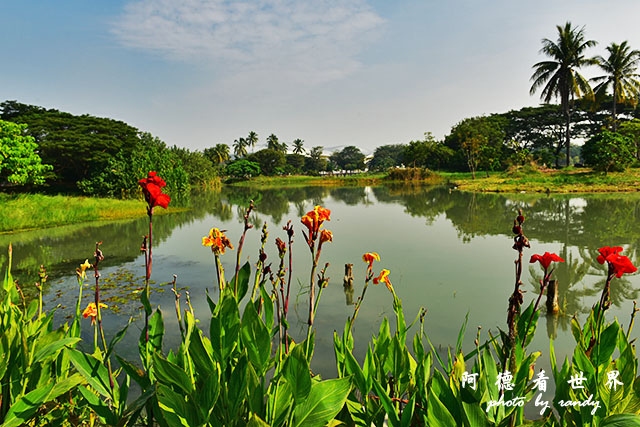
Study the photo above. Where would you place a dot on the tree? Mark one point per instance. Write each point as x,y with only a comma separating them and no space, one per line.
217,154
631,130
315,162
240,147
608,151
349,158
620,73
427,153
271,162
559,75
243,169
386,156
486,133
19,160
298,146
252,139
273,143
296,162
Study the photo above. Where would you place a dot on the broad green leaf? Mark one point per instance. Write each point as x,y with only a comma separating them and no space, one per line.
117,338
93,371
170,374
296,372
387,404
134,372
607,345
98,406
324,402
26,407
52,349
437,413
621,420
255,338
174,409
243,280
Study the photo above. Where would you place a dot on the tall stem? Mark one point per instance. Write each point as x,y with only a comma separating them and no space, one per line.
99,316
148,274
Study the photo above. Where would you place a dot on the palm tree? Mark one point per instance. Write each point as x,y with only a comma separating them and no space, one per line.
252,139
297,146
559,75
620,73
218,154
272,143
240,147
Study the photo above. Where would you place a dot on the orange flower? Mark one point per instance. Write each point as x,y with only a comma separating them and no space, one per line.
92,312
83,267
313,219
217,240
326,236
383,277
370,257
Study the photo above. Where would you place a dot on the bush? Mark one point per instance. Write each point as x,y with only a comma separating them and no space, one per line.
608,152
412,174
243,169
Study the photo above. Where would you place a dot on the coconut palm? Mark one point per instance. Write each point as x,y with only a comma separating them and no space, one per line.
218,154
620,73
297,146
252,139
272,142
240,147
559,75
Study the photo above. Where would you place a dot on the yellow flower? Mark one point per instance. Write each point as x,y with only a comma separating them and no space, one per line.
370,257
91,311
83,267
217,240
383,277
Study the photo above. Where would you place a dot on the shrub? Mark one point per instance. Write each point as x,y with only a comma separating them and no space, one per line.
608,152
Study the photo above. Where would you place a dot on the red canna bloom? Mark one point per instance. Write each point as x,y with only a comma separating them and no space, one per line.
152,189
383,277
369,257
621,264
546,259
326,236
606,251
313,219
217,240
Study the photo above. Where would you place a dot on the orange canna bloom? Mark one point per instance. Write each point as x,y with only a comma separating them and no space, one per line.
83,267
92,312
383,277
313,219
370,257
217,240
326,236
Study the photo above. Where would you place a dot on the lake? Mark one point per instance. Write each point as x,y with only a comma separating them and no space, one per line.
447,251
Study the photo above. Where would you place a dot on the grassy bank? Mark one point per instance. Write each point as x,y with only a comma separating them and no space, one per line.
398,175
32,211
553,181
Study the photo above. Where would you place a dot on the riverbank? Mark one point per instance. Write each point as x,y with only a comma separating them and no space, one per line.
33,211
337,180
580,180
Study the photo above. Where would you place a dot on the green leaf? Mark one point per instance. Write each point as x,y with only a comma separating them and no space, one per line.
437,413
98,406
26,407
296,372
608,341
117,338
170,374
256,421
255,338
174,409
387,404
621,420
52,349
353,368
134,372
267,303
93,371
243,280
199,354
145,303
324,402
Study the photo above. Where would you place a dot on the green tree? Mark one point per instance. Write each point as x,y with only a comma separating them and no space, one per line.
200,169
608,151
315,163
240,147
298,146
243,168
349,158
559,75
252,139
620,74
484,134
386,156
427,153
217,154
273,143
296,162
271,162
19,160
631,130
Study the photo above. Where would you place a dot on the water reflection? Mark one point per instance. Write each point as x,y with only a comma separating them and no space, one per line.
447,250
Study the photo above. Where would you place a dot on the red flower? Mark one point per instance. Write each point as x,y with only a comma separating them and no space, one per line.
152,189
606,251
326,236
621,264
546,259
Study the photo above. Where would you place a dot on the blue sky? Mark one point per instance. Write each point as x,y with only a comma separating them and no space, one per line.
331,72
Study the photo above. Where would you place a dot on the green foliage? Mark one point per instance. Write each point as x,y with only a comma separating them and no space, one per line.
315,163
296,161
218,154
609,151
386,156
19,161
349,158
201,171
243,169
631,129
270,161
427,153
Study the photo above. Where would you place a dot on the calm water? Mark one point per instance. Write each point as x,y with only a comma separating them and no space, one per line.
447,251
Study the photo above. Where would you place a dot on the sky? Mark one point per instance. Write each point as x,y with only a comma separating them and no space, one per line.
331,72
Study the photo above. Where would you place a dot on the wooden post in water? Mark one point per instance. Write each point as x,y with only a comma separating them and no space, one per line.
552,297
348,275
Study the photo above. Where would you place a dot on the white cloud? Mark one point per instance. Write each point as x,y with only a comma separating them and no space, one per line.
313,41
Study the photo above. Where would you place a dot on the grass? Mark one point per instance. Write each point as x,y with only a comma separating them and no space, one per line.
574,180
305,180
32,211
